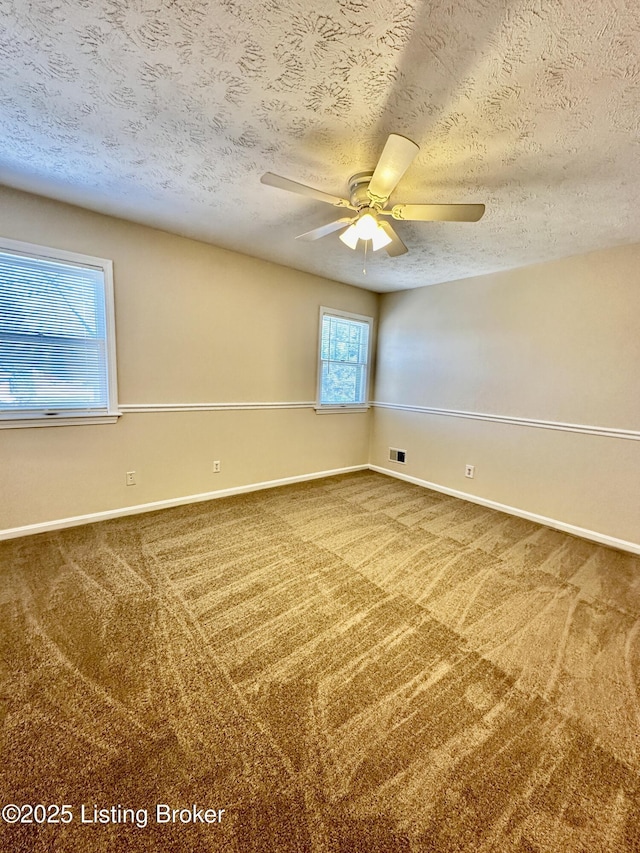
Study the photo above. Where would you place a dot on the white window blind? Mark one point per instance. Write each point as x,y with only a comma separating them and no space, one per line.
344,359
56,335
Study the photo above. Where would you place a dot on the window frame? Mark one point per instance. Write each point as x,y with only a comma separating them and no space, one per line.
67,417
328,408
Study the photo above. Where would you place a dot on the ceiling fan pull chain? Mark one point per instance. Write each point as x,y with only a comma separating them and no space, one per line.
364,262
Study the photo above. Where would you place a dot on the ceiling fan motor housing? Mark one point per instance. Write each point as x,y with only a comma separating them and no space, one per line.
359,189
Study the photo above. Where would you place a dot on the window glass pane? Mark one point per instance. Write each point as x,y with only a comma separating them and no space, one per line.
51,375
341,383
44,297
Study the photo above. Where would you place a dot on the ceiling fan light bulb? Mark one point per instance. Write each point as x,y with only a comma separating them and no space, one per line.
350,237
380,239
366,226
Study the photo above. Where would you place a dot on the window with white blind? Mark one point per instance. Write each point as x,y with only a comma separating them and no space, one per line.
343,370
57,338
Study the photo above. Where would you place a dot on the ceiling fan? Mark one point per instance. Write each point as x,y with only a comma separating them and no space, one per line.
368,195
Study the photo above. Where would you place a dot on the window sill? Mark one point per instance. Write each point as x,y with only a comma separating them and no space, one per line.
340,410
56,421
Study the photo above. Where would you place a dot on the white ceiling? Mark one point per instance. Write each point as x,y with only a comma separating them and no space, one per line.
168,113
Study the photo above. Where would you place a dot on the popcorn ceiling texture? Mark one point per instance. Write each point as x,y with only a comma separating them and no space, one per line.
168,113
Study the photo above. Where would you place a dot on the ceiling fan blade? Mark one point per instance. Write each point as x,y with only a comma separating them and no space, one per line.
396,246
302,189
397,155
323,230
438,212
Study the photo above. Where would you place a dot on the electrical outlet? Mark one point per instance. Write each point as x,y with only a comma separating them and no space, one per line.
470,471
131,478
216,466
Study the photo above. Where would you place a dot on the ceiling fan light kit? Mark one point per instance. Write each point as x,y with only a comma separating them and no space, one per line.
368,195
366,227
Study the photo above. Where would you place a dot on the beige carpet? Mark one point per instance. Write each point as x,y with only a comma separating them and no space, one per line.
353,665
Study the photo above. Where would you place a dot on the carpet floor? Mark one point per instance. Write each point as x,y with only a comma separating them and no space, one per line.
349,665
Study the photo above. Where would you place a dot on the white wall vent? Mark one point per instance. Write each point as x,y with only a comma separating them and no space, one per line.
396,455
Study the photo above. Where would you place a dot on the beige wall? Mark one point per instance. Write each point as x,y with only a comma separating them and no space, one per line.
194,324
556,342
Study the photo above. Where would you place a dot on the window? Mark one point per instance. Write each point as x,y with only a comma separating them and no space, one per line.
57,340
343,372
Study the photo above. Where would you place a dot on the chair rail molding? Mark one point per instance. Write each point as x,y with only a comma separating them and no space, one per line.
589,429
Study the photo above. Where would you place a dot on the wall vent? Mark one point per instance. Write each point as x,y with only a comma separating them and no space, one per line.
396,455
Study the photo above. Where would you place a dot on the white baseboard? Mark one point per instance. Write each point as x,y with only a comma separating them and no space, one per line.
601,538
90,518
77,520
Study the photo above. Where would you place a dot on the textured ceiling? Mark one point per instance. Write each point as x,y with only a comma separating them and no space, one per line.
169,112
